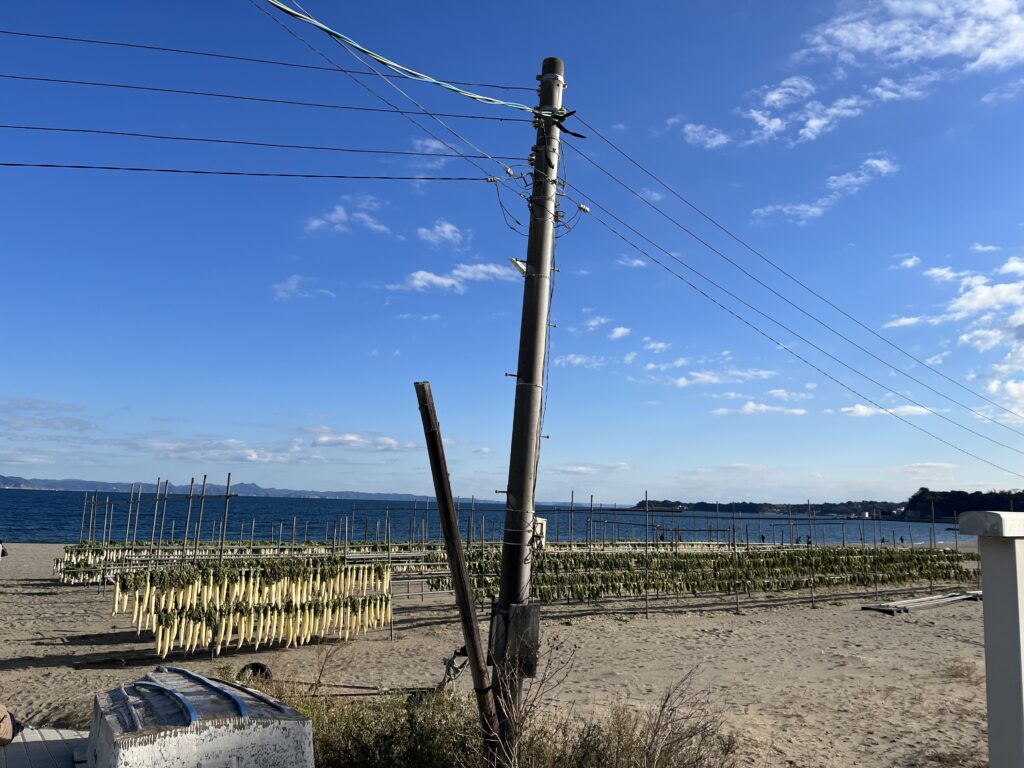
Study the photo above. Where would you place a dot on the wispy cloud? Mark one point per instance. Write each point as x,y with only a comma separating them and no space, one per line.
369,442
705,136
1006,92
750,408
728,376
630,261
297,287
903,322
444,233
456,280
839,186
907,261
679,362
335,219
984,248
657,347
869,410
590,469
619,332
595,322
789,396
575,360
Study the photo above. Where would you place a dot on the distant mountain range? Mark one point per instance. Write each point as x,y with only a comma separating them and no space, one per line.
242,489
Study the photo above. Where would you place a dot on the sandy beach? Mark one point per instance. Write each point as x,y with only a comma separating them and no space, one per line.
823,687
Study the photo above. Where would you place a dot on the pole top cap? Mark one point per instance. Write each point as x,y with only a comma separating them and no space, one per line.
553,66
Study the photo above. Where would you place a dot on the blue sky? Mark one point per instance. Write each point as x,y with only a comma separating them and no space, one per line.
176,325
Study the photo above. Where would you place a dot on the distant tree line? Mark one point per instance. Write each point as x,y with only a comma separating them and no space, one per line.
948,504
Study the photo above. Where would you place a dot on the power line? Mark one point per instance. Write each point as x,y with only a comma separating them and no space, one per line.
259,174
259,99
804,360
233,57
776,293
786,328
257,4
240,142
394,66
792,277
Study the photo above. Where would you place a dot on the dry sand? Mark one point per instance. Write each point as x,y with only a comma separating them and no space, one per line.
822,687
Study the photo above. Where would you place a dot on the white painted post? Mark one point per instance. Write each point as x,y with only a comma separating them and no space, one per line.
1001,543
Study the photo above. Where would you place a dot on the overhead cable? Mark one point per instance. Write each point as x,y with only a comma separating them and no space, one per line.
797,355
786,328
241,142
258,5
262,174
260,99
775,265
404,71
784,298
233,57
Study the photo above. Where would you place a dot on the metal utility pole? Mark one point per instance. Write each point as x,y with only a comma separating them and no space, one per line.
511,632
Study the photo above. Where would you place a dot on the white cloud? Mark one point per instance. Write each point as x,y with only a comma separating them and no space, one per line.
984,248
909,262
1013,266
433,147
750,408
981,35
444,233
729,376
1006,92
937,358
229,450
982,297
943,274
371,223
422,280
484,272
903,322
580,361
630,261
590,469
679,362
629,358
456,280
839,187
421,318
328,438
619,332
653,195
336,219
821,118
483,452
705,136
982,339
596,322
785,394
768,126
790,90
656,346
868,410
294,287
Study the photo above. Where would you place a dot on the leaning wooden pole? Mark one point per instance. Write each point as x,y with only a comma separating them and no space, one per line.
457,563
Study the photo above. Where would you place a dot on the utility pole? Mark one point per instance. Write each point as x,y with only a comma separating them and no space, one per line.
511,633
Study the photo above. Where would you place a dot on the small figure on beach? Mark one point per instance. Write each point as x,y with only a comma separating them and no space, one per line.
799,539
883,539
901,540
3,551
762,538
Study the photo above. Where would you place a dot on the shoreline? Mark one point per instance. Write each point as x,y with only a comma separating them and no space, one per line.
830,686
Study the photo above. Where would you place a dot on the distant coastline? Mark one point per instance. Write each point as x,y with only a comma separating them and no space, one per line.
242,489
